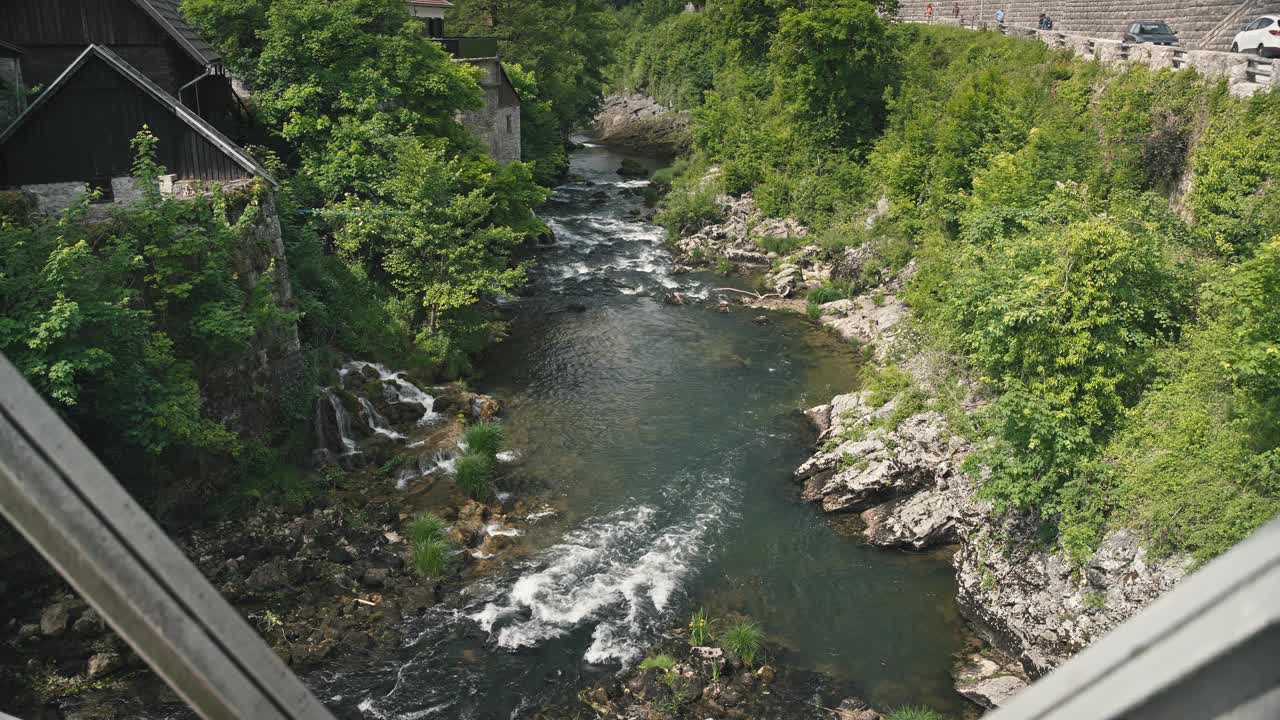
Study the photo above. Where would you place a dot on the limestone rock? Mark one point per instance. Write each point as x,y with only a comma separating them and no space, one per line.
54,619
989,678
104,663
639,122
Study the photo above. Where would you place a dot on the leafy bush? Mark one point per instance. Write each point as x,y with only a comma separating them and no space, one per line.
474,475
743,638
485,437
432,557
690,209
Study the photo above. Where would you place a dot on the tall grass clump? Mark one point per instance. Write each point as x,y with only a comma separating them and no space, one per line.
744,639
474,475
427,526
699,628
915,712
485,438
431,556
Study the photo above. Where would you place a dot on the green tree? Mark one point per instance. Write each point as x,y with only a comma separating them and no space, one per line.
832,62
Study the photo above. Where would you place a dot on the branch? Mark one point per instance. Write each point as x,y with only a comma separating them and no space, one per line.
756,295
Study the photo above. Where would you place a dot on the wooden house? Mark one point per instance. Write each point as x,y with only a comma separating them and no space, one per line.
149,35
78,132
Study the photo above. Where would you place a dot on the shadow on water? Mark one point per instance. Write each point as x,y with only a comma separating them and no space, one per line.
666,435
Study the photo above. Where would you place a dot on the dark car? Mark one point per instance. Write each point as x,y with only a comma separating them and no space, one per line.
1150,31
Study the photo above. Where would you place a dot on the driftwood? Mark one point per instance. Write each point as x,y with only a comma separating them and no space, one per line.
755,295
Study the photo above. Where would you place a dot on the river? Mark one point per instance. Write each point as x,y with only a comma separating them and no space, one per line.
663,438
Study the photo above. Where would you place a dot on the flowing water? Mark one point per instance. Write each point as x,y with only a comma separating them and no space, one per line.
663,438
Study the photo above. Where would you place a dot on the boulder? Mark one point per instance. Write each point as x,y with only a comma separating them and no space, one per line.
54,619
375,577
104,663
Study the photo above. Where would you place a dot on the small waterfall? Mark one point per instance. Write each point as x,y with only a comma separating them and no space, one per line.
395,388
376,421
343,421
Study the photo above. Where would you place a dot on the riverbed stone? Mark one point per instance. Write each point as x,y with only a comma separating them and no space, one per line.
104,663
54,619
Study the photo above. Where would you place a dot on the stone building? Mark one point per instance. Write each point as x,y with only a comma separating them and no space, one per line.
497,123
1200,24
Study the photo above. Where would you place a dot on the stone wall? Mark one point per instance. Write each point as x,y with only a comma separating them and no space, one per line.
497,123
1245,74
1210,23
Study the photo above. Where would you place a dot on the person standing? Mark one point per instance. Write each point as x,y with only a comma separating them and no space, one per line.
1000,17
955,13
928,13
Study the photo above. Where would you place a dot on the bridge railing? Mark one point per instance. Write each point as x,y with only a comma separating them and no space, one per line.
56,493
1208,649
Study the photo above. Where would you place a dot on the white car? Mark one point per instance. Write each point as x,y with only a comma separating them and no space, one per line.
1261,36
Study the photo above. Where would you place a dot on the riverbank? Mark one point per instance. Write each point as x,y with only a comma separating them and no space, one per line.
326,575
893,457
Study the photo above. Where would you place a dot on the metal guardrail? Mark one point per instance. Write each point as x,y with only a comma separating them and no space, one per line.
1209,648
57,494
1260,70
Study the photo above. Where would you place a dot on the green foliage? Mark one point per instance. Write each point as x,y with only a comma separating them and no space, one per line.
832,62
699,628
427,526
915,712
117,322
565,43
432,557
1095,600
1062,309
474,475
743,638
688,209
485,437
363,109
674,62
1197,467
658,662
1235,197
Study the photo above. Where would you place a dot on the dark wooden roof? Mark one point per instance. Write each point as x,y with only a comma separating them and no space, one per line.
166,14
10,50
221,144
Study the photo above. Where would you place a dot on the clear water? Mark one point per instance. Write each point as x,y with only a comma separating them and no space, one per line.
664,437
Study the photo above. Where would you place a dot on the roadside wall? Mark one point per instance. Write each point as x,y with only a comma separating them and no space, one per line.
1200,24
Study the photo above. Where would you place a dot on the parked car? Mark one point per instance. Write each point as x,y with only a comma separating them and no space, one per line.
1155,32
1261,36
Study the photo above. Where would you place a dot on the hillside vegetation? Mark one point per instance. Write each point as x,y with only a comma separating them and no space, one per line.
1101,246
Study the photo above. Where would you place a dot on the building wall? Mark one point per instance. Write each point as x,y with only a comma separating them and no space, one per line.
497,123
11,90
83,132
1213,22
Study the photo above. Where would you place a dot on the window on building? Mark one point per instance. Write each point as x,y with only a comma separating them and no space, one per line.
508,124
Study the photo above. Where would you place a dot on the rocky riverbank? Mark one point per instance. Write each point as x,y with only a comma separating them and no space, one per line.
680,680
894,458
640,123
329,575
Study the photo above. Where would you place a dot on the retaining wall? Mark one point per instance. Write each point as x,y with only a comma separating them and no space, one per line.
1200,24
